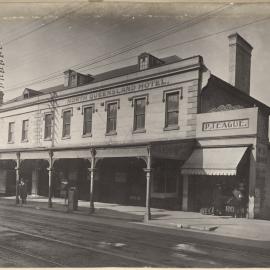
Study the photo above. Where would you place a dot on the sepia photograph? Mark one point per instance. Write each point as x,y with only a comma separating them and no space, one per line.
134,133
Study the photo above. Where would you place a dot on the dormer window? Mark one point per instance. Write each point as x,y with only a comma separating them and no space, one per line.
28,93
146,60
74,79
144,63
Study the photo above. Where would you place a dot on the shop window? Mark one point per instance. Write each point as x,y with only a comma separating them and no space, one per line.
165,181
139,114
87,120
172,109
25,126
11,126
48,126
66,123
111,117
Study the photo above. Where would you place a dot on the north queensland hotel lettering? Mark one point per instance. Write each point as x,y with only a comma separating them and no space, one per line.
119,90
227,124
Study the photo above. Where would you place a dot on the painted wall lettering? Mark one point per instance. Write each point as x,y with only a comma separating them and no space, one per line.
227,124
118,91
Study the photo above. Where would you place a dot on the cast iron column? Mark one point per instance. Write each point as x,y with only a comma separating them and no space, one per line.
50,179
185,193
18,176
92,171
148,170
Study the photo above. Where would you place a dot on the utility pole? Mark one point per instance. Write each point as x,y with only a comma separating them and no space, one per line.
2,71
53,108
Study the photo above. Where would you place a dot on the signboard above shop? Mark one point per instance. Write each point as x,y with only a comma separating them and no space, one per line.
227,123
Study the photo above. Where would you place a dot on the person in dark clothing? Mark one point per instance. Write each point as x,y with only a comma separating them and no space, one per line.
218,200
238,201
23,191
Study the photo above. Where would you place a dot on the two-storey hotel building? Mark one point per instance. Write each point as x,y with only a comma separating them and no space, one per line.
161,133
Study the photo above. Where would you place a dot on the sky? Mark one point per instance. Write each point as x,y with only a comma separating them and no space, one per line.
40,40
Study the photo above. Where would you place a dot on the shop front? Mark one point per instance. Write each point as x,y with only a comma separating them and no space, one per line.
216,176
219,177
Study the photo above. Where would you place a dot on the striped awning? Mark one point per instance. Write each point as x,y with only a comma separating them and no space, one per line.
214,161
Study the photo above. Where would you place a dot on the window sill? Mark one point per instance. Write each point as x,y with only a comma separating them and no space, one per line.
87,135
175,127
111,133
139,131
24,141
47,139
10,142
66,138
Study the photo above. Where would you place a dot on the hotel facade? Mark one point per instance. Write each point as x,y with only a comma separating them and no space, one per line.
160,133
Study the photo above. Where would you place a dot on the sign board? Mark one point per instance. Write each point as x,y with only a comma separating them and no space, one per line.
227,124
135,87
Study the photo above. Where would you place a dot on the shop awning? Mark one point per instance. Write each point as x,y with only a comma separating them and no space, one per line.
214,161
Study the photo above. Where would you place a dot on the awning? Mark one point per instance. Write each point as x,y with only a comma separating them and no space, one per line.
214,161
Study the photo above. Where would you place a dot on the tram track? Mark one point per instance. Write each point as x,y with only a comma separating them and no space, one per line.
24,254
82,228
73,245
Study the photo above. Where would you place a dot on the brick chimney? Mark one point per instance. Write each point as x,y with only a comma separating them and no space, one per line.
239,62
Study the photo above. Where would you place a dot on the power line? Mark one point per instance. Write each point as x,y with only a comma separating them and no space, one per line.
129,47
42,26
172,27
214,34
153,38
60,49
181,43
26,26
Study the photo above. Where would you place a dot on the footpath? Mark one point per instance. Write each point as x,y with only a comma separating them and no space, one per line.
241,229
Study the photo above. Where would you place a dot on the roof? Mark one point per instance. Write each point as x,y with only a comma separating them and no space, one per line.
235,91
103,76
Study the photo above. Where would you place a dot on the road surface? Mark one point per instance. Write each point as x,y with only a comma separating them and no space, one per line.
40,238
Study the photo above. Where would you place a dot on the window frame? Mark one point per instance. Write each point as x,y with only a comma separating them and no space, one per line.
66,136
167,94
117,104
51,126
135,122
25,132
144,63
11,135
92,108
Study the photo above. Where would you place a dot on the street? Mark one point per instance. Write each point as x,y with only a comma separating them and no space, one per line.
38,238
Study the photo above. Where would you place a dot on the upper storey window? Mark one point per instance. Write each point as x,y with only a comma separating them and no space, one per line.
48,126
139,114
66,123
172,109
11,126
25,127
87,120
111,117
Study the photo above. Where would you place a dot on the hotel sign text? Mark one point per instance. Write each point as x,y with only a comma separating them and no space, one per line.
119,90
226,124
